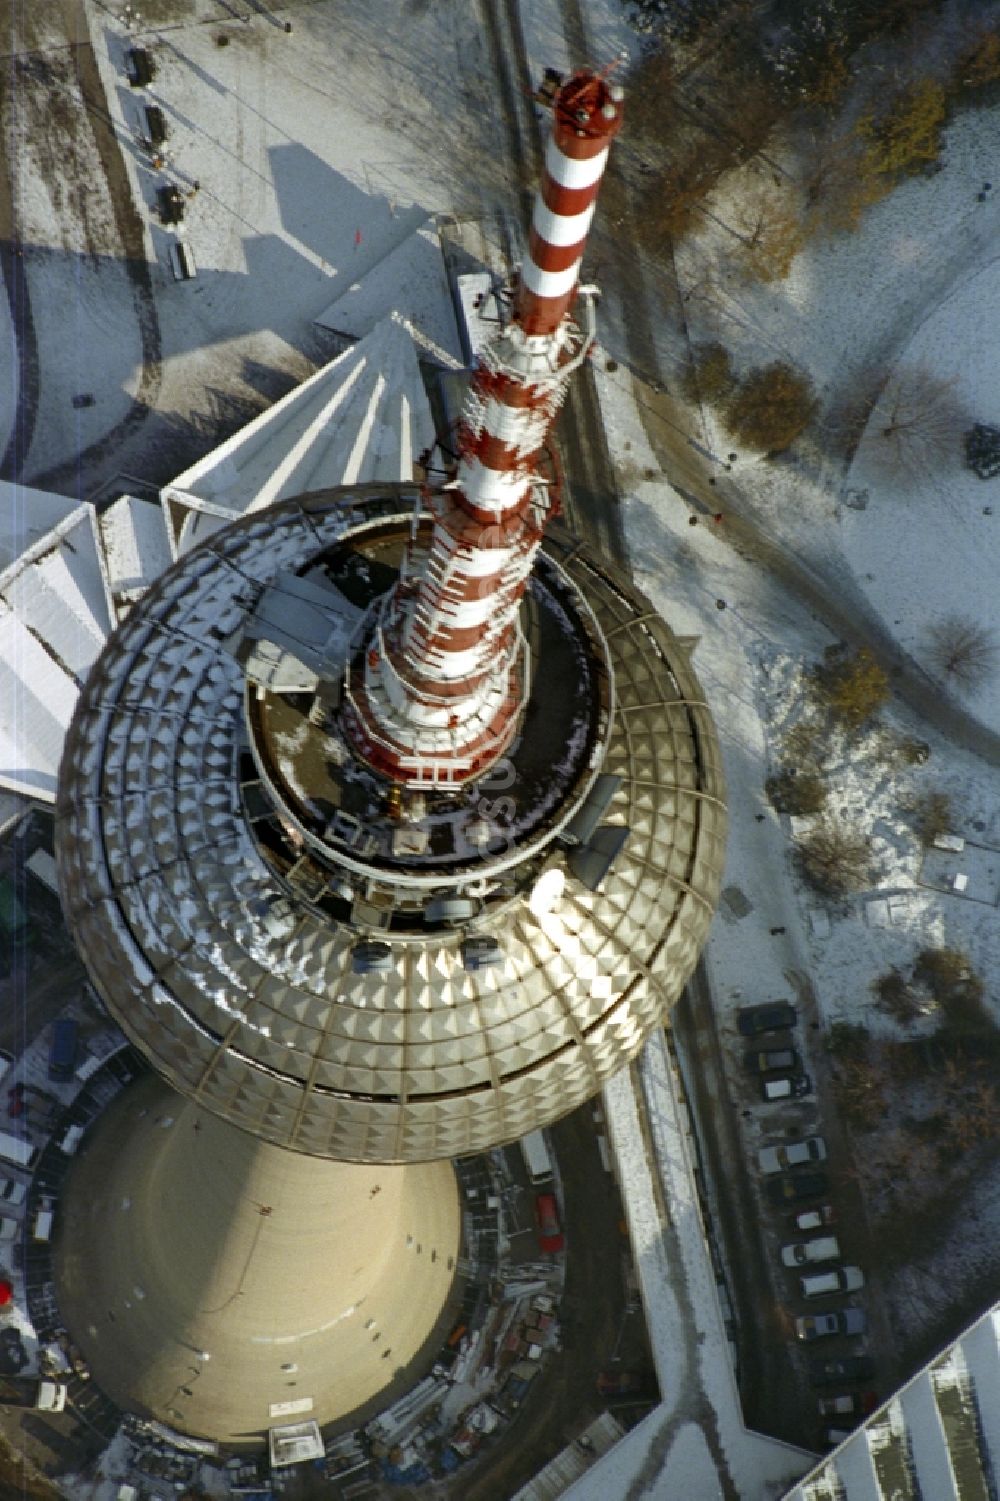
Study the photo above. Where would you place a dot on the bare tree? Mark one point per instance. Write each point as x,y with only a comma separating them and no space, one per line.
932,816
963,650
917,422
894,996
770,407
794,791
834,859
769,223
853,687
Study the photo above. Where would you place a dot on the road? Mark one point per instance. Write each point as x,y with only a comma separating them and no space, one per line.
564,1397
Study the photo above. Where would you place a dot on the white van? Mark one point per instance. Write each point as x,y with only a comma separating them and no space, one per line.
43,1221
820,1248
536,1157
844,1279
16,1150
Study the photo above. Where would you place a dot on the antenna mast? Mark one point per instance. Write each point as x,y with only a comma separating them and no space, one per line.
437,698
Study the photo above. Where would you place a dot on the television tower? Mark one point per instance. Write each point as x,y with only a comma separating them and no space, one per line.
443,684
389,824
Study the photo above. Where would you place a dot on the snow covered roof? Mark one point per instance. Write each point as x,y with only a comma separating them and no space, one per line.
411,285
54,620
363,417
939,1435
69,575
26,515
72,576
135,549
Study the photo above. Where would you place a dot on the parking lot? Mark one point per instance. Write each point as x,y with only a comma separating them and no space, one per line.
782,1194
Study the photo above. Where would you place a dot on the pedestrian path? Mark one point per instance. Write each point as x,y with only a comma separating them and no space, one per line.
695,1443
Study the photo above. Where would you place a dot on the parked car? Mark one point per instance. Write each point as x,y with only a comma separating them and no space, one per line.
8,1228
846,1368
810,1326
815,1219
62,1048
842,1406
784,1086
801,1252
771,1060
550,1237
773,1016
792,1154
834,1436
12,1192
788,1187
839,1279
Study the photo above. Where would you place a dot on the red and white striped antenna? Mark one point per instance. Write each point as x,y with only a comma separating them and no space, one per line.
438,696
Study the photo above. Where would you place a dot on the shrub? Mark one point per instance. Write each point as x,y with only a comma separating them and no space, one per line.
908,134
834,859
932,816
837,189
853,688
709,377
963,650
956,988
894,996
980,64
829,82
860,1094
982,450
803,744
946,973
798,793
770,407
847,1040
913,752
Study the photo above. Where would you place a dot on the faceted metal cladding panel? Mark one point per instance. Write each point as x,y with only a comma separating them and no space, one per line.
162,882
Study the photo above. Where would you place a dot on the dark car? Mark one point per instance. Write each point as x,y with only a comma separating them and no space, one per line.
62,1048
847,1368
774,1016
789,1187
771,1060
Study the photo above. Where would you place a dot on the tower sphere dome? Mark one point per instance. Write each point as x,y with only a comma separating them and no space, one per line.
333,968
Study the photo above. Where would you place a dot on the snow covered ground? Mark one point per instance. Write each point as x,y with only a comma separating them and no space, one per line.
905,293
753,656
315,154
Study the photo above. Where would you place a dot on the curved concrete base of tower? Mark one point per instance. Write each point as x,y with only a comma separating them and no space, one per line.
225,1286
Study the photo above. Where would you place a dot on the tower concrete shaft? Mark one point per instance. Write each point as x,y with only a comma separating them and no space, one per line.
440,693
219,1284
